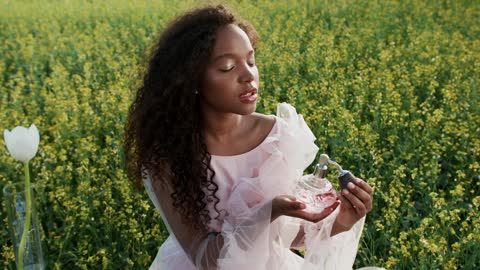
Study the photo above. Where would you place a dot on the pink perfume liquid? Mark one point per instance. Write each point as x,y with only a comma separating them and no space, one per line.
316,193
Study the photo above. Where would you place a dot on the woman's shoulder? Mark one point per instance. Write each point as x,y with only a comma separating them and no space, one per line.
263,120
263,124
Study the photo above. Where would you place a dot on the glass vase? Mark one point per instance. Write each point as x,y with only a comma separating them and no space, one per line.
15,201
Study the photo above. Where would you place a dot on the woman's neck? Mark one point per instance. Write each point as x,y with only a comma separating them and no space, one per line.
222,127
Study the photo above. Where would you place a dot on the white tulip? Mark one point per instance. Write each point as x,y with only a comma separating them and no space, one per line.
22,143
286,111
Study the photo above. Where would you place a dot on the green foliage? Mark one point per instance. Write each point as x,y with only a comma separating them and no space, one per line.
390,89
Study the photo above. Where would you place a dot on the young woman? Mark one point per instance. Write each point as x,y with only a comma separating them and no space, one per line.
222,175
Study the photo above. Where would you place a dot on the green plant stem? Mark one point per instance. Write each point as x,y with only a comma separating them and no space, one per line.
28,213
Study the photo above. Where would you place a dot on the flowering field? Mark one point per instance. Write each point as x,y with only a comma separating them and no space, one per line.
390,89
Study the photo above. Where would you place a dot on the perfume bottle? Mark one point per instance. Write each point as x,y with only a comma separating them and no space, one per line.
316,191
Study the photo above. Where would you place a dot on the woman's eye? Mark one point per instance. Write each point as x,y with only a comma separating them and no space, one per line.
227,69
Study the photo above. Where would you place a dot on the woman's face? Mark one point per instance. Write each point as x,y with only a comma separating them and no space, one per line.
231,78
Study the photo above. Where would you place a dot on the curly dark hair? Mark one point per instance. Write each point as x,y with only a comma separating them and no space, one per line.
163,131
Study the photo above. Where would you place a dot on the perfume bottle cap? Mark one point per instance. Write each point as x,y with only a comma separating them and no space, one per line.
344,178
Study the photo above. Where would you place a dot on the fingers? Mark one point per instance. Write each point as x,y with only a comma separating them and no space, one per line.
367,200
285,205
359,193
289,206
356,203
288,203
293,204
360,200
298,205
315,217
345,201
362,184
290,197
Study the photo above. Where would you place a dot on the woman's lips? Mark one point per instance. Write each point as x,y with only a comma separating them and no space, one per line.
249,96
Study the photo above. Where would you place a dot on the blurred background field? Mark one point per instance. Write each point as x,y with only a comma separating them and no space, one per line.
390,89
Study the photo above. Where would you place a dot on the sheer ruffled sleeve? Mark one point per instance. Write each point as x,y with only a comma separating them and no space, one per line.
244,235
323,251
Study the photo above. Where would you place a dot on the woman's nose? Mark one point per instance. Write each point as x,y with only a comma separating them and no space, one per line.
248,74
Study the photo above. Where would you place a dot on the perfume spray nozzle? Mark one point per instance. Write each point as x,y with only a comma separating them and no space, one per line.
344,176
323,160
339,168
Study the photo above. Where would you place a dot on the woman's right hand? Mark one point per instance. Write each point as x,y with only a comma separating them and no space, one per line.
287,205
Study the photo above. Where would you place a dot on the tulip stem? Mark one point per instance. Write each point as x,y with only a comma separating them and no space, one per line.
28,213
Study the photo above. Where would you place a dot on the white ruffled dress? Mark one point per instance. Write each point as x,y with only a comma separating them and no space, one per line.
247,183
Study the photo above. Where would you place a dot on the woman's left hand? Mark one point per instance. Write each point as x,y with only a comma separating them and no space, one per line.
356,203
